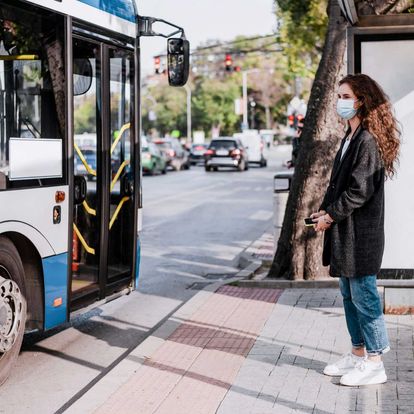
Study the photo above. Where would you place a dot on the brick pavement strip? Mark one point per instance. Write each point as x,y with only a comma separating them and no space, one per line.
193,370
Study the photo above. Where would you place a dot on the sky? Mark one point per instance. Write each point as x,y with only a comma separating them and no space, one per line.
206,19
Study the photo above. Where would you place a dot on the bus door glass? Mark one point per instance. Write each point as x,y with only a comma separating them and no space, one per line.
121,224
87,150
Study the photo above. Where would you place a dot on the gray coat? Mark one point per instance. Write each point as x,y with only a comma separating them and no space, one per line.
354,244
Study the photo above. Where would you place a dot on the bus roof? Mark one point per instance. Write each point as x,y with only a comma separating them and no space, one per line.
115,15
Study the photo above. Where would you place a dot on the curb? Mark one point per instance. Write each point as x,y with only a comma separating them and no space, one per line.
289,284
319,283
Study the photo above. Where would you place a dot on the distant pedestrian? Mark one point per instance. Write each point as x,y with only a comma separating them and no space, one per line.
295,146
352,217
296,143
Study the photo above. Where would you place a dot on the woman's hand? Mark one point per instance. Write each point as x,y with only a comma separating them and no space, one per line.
318,214
323,222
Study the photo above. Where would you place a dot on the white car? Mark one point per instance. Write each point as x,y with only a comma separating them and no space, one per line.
254,145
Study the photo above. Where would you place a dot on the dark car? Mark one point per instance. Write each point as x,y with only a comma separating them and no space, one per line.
197,152
226,152
176,156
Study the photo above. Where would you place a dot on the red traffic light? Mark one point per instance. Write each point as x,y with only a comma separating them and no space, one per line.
157,64
228,62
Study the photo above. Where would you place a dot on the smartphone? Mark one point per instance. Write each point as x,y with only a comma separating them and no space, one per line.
309,221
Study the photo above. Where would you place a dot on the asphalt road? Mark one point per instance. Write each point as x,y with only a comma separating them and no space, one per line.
195,226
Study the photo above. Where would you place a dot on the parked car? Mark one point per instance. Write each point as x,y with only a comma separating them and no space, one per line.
254,145
152,160
197,152
176,156
226,152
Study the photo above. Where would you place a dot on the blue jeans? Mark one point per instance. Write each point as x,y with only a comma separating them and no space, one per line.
363,313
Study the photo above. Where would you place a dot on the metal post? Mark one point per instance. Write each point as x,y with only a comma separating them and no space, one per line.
245,118
188,90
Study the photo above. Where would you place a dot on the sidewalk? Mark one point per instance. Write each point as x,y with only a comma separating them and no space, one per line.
236,350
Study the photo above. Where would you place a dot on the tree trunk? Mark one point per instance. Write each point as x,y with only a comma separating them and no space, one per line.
299,249
267,112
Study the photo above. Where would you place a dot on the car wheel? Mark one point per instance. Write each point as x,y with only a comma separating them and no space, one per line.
246,167
12,306
208,169
164,171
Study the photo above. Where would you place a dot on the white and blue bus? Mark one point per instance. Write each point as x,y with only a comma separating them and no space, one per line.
69,158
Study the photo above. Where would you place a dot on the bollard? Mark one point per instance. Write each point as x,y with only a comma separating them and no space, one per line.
281,187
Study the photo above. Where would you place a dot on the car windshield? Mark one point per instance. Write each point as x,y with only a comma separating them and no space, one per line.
223,144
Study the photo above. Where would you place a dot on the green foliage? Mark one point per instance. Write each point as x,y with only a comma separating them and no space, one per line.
170,106
85,116
302,28
213,105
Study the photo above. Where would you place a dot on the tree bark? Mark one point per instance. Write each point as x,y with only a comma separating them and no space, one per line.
299,249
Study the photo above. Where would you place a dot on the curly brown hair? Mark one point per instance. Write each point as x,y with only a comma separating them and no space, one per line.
377,117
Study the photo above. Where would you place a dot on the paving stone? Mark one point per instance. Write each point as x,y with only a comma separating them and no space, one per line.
256,351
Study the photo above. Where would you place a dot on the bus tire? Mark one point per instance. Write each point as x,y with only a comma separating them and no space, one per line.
12,288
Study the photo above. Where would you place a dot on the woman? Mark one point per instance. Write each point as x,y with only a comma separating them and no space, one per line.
352,217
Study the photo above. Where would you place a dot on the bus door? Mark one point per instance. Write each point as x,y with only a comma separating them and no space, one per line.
103,222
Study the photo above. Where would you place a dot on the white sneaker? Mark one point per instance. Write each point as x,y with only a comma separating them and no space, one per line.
366,372
342,366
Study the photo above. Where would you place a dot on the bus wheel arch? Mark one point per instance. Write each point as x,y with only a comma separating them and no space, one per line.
12,306
33,271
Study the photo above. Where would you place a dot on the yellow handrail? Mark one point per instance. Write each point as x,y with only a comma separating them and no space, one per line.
90,250
121,132
118,209
89,209
84,162
115,179
19,57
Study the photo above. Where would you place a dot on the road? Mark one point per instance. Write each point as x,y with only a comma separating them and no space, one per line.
195,226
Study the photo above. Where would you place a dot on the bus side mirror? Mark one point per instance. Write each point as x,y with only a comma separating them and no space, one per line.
79,189
178,61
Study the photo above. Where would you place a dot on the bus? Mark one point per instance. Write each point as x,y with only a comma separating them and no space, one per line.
70,175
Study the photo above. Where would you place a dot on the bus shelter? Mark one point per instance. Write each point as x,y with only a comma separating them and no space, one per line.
382,47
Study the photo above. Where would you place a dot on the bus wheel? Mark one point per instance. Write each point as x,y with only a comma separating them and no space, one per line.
12,306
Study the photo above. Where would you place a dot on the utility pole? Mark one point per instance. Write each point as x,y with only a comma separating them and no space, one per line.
188,90
245,118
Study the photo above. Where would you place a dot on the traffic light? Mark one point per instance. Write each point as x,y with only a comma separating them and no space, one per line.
157,64
228,63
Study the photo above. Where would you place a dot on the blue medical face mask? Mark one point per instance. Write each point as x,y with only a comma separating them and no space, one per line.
345,108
